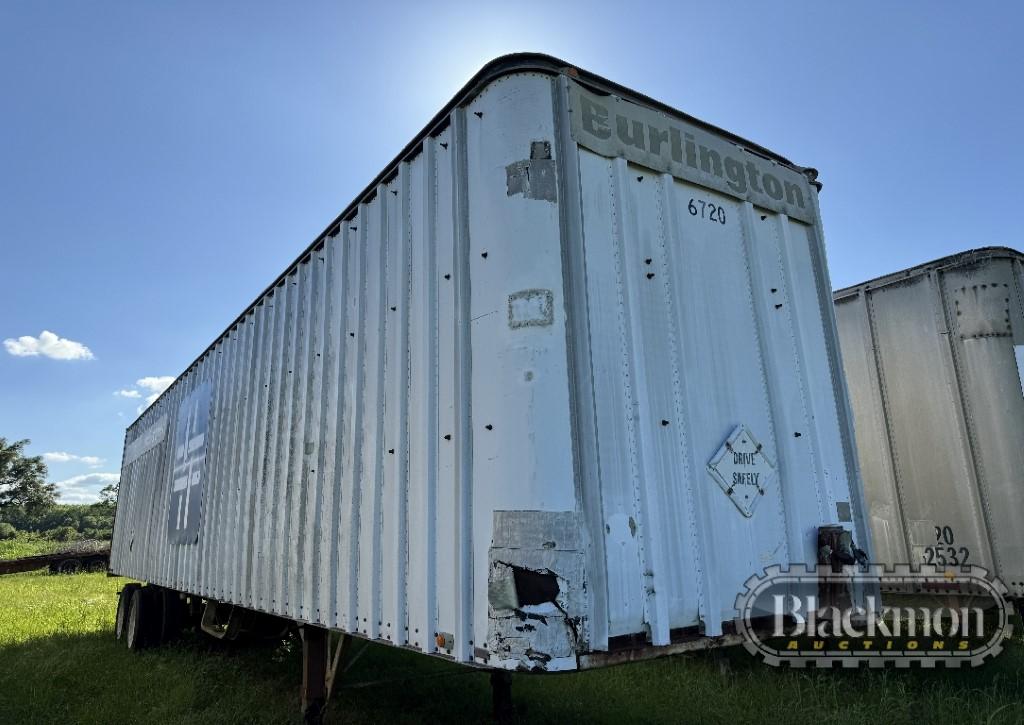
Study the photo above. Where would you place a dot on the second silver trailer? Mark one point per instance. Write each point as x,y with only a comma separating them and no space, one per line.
934,359
543,397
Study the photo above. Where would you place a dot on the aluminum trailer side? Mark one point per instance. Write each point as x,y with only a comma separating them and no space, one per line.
934,358
543,397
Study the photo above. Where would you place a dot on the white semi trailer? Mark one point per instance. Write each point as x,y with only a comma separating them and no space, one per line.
934,360
541,398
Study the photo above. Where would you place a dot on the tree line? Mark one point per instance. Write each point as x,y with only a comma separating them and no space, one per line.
29,505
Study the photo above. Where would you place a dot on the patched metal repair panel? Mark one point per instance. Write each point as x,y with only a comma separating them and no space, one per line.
536,589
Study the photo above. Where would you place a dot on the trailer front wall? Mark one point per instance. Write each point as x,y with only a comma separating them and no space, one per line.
936,391
699,325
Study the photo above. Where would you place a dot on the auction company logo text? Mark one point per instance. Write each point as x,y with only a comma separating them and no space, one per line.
900,616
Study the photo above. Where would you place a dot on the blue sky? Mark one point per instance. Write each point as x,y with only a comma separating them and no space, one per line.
161,162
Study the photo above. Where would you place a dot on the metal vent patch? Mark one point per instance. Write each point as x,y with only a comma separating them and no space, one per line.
742,470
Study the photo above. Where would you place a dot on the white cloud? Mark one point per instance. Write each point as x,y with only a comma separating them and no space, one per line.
84,488
48,345
65,457
155,385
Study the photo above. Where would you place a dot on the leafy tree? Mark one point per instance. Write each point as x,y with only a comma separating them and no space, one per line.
108,495
23,486
29,504
63,533
7,531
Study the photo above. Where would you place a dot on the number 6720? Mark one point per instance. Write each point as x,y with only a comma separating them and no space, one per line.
706,210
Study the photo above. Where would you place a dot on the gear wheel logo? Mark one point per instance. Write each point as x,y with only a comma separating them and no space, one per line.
898,616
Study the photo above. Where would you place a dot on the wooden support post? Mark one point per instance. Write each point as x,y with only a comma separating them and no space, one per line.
501,696
342,651
315,662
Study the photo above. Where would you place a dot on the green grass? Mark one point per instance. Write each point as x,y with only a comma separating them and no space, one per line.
22,546
59,663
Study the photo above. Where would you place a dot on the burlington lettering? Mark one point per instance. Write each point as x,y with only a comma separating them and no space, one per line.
683,148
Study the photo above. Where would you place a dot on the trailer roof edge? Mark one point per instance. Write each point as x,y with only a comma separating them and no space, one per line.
969,256
511,64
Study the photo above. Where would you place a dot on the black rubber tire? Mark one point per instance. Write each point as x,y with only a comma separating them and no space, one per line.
144,619
144,616
171,614
154,627
134,635
70,566
96,566
124,605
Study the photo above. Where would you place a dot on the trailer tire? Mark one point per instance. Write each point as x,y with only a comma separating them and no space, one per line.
171,614
124,605
154,625
97,566
70,566
143,619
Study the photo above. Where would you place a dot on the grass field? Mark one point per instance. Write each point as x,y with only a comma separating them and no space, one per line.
59,663
15,548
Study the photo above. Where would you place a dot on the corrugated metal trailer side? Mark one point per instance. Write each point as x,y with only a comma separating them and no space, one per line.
503,384
308,511
933,359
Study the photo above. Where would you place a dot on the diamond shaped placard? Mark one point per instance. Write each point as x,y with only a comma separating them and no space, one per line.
742,470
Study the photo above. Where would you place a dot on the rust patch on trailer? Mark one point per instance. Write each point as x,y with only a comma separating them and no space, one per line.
536,588
534,177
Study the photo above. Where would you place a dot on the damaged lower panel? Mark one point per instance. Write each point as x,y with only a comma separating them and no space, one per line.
537,617
640,654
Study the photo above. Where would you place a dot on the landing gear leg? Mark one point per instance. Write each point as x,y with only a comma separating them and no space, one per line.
501,696
315,655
